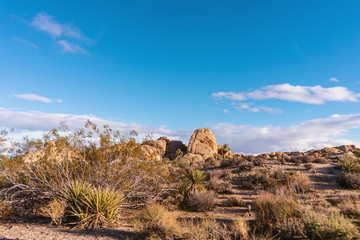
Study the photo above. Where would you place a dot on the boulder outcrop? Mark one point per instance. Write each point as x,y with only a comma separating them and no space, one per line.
158,144
203,142
172,147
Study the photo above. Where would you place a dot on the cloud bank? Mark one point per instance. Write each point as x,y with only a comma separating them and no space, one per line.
287,92
316,133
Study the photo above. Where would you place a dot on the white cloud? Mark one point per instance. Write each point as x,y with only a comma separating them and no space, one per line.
316,133
35,97
226,110
68,36
333,79
68,47
24,41
35,121
287,92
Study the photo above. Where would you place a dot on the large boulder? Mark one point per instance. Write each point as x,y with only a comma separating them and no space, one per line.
172,147
158,144
203,142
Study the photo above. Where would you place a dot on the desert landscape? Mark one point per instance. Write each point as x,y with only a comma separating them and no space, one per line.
179,120
65,187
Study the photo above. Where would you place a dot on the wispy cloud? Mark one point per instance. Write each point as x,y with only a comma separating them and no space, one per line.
248,107
35,97
24,41
334,79
68,47
287,92
67,36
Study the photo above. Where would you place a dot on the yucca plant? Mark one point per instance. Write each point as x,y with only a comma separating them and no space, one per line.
349,163
97,208
193,182
72,192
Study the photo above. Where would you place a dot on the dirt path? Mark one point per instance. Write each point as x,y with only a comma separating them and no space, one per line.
21,231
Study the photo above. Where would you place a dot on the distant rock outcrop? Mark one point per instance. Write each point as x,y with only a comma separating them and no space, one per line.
203,142
52,150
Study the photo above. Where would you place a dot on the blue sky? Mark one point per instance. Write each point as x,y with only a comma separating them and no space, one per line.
263,75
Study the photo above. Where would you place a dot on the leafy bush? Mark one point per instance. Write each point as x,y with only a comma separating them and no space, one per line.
333,227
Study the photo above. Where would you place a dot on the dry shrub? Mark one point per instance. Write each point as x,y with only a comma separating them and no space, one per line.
55,210
235,201
220,186
156,220
333,227
348,205
230,162
350,180
246,167
299,182
321,160
308,166
273,211
259,162
239,229
201,201
205,229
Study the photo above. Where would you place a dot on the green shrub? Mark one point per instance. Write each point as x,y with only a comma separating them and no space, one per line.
349,163
333,227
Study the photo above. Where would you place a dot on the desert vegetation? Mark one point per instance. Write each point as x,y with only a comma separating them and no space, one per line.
95,178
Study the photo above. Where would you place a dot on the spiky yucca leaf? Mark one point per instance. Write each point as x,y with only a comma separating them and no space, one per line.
98,208
194,179
349,163
73,191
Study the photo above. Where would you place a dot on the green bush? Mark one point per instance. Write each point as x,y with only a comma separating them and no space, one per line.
333,227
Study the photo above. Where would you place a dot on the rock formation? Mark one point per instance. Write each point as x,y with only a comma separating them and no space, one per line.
203,142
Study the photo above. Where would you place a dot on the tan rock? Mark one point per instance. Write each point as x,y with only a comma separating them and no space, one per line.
158,144
166,139
203,142
347,148
150,152
52,150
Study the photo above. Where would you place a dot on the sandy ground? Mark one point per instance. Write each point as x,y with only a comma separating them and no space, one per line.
35,231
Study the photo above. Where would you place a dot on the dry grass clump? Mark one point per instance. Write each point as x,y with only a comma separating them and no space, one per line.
308,166
333,227
272,211
156,221
56,211
235,201
201,201
246,167
220,186
230,162
239,229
